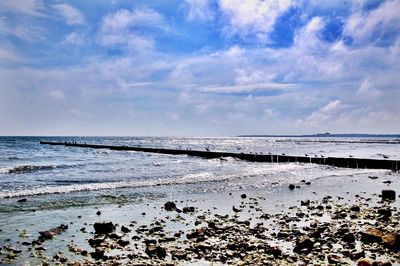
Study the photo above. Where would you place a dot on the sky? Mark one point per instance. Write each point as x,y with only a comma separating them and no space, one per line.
199,67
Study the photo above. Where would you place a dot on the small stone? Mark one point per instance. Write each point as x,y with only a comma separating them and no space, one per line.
22,200
188,209
170,206
46,235
305,203
291,186
125,229
123,242
304,245
98,212
388,194
243,196
392,240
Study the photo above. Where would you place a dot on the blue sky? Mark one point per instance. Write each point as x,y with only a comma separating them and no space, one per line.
199,67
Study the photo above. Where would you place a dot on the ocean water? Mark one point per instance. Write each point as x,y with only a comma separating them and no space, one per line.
59,177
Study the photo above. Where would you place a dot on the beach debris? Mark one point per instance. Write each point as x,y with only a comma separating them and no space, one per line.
388,194
170,206
104,228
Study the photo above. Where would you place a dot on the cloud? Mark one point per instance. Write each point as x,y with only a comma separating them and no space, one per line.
126,27
200,10
75,38
252,18
367,89
326,113
71,15
246,88
25,7
376,25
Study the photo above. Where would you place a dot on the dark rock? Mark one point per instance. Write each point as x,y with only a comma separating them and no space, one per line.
355,208
123,242
125,229
348,238
46,235
291,186
372,177
304,245
188,209
170,206
98,253
156,251
179,255
305,202
22,200
148,241
98,212
96,242
391,240
243,196
388,194
355,255
371,235
104,228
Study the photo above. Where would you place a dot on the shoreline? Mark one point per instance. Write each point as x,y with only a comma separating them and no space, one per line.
207,234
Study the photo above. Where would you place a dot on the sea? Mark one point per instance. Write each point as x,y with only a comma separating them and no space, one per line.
42,186
61,176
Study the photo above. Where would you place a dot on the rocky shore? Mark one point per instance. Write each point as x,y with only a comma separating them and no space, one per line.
325,231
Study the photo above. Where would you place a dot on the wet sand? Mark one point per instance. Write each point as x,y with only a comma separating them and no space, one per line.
336,220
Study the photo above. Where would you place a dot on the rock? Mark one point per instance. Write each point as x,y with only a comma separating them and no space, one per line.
170,206
355,208
98,212
291,186
46,235
22,200
388,194
305,203
391,240
371,235
123,242
156,251
104,228
372,177
334,259
179,255
125,229
348,238
383,263
365,262
243,196
98,253
304,245
96,242
355,255
188,209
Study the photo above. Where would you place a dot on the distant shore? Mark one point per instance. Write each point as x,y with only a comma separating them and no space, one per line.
337,220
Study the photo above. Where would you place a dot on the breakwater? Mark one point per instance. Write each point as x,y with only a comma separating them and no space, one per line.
269,158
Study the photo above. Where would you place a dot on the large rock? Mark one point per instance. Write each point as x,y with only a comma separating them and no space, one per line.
388,194
104,228
391,240
371,235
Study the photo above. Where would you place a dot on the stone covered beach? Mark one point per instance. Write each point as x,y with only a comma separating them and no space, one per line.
333,221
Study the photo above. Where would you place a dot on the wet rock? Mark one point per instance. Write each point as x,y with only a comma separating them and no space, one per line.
188,209
179,255
371,235
98,253
388,194
98,213
355,208
304,245
365,262
46,235
334,259
355,255
348,238
125,229
156,251
104,228
170,206
96,242
372,177
391,240
22,200
305,203
243,196
291,186
123,242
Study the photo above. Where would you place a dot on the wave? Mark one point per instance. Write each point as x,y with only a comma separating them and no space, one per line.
270,174
23,169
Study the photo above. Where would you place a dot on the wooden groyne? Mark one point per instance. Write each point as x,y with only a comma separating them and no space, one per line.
268,158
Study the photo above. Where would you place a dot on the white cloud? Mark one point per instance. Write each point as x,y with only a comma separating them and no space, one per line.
71,15
75,38
246,88
326,113
26,7
372,26
122,28
253,17
367,89
198,10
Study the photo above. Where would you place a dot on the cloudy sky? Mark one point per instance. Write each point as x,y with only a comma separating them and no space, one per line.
199,67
